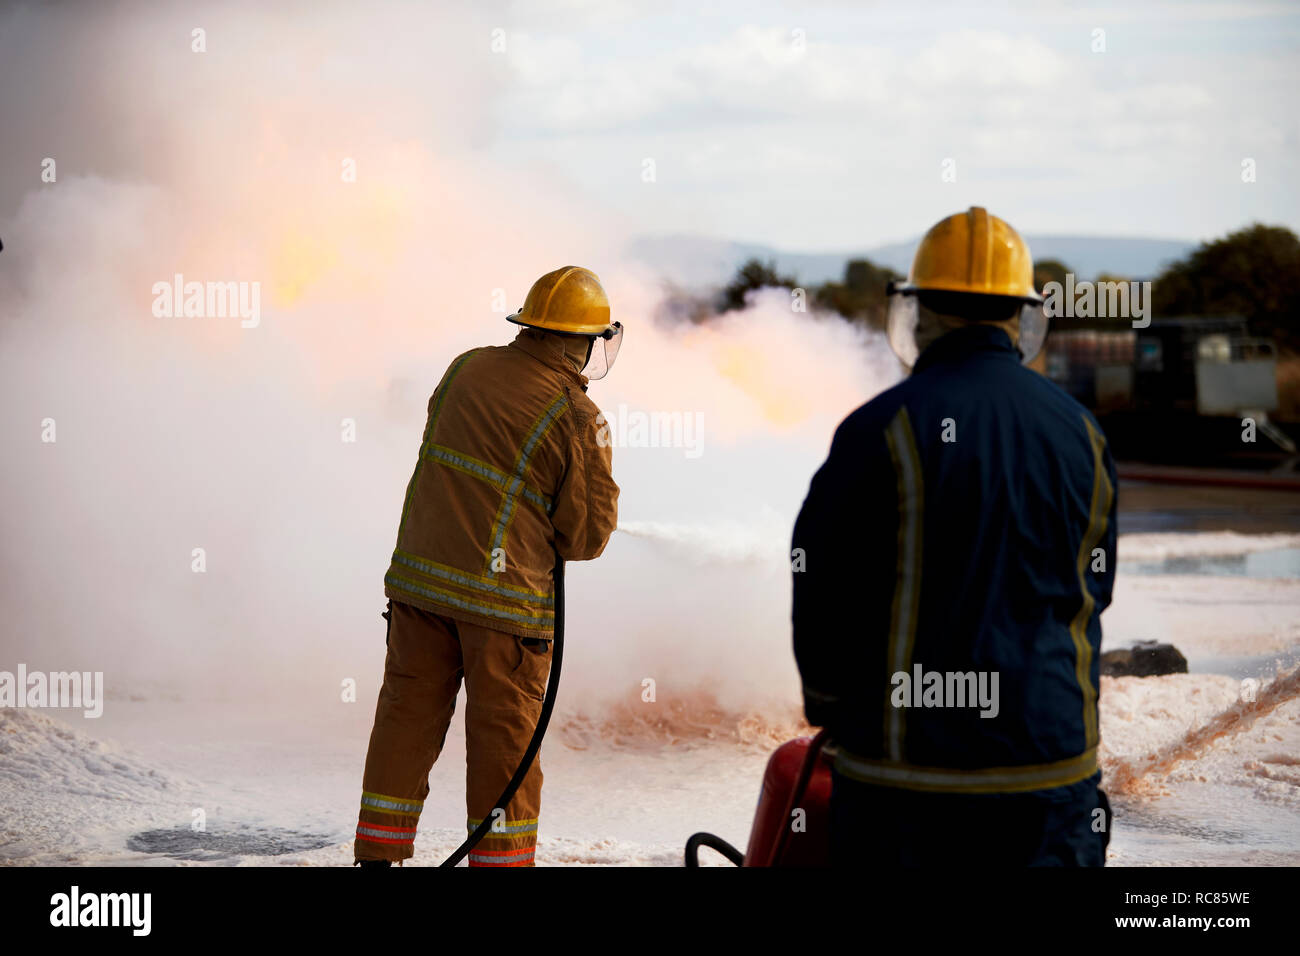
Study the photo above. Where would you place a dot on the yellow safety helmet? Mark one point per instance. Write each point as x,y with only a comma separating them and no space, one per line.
569,300
976,253
970,253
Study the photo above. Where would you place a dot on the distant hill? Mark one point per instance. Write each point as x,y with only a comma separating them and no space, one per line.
695,262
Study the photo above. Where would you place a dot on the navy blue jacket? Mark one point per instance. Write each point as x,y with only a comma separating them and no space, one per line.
963,524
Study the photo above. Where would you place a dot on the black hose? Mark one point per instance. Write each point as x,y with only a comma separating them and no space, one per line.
698,840
526,762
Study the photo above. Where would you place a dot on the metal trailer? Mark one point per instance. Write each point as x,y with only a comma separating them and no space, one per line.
1203,366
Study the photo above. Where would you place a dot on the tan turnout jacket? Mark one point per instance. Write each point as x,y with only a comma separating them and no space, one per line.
510,472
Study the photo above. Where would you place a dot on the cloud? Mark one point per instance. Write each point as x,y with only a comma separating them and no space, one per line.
844,137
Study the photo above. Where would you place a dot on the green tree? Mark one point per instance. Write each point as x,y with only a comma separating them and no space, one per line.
861,297
1254,272
753,274
1049,270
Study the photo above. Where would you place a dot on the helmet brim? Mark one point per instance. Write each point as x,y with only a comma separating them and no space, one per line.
603,331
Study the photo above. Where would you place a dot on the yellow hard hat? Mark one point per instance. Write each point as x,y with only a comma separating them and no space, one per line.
569,300
977,253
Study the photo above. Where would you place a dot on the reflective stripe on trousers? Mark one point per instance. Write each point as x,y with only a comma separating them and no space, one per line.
505,680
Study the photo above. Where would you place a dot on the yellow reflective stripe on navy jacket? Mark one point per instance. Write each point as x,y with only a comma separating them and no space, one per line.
895,771
1098,515
1027,497
887,773
907,585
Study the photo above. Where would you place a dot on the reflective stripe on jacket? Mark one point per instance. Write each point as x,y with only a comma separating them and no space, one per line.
510,472
962,525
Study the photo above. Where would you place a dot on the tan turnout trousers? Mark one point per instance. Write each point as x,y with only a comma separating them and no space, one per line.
505,682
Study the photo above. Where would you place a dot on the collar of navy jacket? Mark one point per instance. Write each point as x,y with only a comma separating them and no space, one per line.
961,343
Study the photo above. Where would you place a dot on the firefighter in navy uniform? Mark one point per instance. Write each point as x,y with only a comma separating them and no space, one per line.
961,535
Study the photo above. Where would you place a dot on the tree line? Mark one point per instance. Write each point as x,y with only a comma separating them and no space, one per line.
1253,272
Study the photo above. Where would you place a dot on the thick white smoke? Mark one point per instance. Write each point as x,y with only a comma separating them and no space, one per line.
182,433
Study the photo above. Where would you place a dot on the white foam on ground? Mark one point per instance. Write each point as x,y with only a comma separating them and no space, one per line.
64,794
1197,727
1198,774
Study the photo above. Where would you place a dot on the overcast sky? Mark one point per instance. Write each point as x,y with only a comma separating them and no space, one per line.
811,126
842,144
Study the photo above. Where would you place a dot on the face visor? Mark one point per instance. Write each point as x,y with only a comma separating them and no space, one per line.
911,327
604,350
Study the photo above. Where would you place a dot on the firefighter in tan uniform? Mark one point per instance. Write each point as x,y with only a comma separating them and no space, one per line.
511,474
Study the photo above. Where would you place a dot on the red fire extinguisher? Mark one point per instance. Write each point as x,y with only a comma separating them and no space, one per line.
792,822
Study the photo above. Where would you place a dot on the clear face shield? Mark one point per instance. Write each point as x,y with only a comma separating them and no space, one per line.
604,350
911,327
1033,331
904,316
